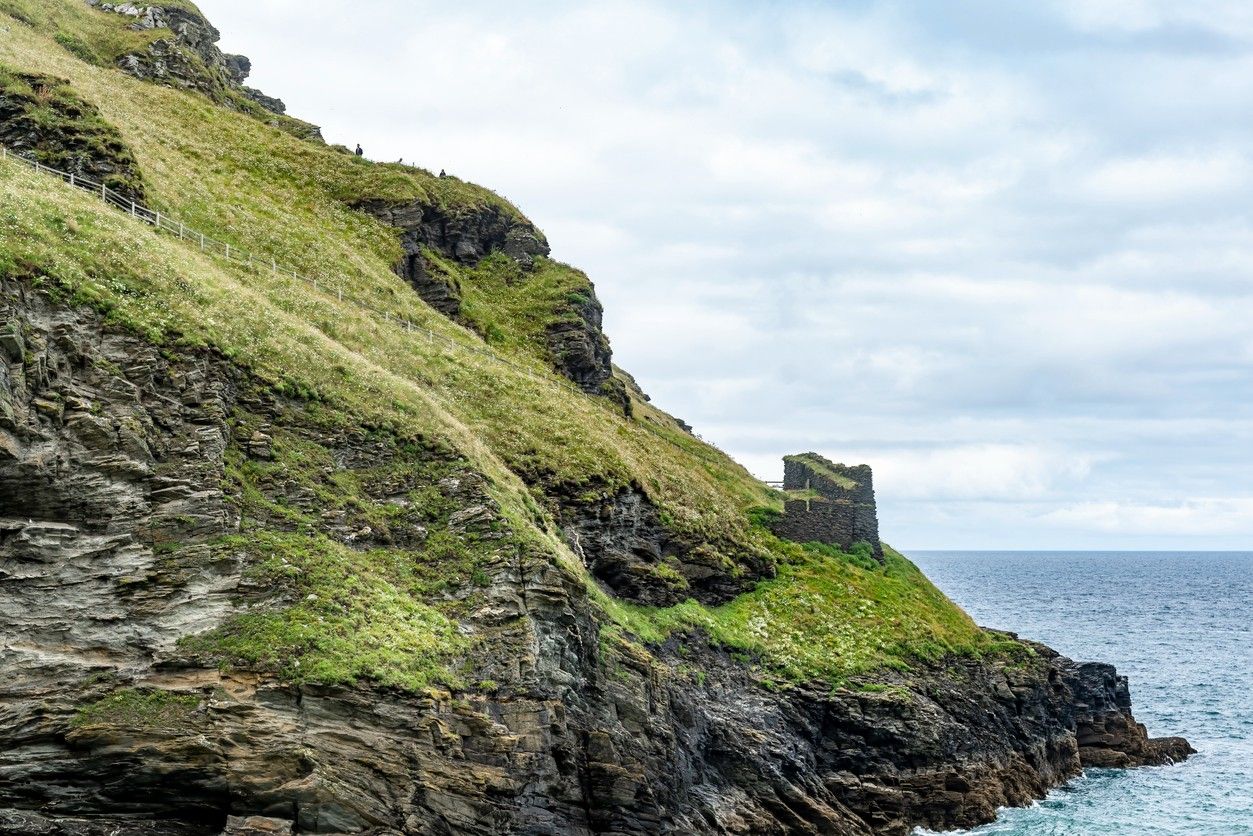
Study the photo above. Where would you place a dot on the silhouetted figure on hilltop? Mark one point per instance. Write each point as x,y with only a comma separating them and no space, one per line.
360,153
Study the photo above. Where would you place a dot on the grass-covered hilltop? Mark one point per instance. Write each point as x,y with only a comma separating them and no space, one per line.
393,547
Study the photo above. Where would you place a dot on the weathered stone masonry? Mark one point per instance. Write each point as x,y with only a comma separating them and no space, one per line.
838,507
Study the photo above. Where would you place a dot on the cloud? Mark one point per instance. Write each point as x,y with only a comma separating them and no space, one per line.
1232,19
1168,178
998,472
1186,518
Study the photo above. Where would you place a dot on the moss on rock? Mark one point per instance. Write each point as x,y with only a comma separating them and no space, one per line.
140,709
43,118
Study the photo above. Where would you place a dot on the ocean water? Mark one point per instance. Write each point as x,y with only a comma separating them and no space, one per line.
1179,625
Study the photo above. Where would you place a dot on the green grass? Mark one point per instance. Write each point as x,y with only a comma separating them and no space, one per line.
349,616
828,617
388,615
518,307
144,710
88,34
338,615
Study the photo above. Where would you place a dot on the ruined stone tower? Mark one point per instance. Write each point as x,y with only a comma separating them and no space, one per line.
828,503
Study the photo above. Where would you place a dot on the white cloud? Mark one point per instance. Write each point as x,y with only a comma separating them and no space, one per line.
999,472
1120,15
1183,519
1168,177
1137,16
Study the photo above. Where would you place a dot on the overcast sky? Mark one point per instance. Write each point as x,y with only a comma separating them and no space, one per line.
999,250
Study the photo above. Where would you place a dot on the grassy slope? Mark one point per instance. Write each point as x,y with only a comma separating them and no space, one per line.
89,34
257,187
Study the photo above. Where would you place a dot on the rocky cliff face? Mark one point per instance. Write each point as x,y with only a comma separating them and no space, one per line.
128,474
623,542
42,119
576,341
580,348
464,237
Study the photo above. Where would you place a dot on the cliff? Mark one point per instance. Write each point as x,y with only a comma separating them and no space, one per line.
339,557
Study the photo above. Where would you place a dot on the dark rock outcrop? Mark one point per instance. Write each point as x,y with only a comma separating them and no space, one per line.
1107,732
576,342
43,119
837,506
580,349
465,238
622,541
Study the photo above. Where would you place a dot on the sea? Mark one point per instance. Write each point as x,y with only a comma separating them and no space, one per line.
1178,624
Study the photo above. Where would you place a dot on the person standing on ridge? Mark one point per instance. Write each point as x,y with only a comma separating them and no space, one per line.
360,153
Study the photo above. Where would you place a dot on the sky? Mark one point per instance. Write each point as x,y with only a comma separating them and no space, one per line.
1000,251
